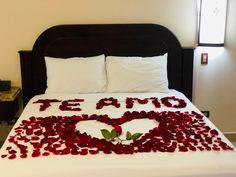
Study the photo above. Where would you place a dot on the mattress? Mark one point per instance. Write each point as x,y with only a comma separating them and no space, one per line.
217,161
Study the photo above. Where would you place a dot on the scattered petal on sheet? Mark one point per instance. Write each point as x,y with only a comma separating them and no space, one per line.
106,102
4,156
12,156
57,135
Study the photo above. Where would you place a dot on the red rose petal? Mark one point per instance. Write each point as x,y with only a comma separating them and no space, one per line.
214,132
12,151
74,152
192,148
65,151
216,148
106,102
23,156
29,131
38,133
35,138
46,154
93,151
12,156
178,130
118,129
84,152
4,156
183,149
36,153
8,148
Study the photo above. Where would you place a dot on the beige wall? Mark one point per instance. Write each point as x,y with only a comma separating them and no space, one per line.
215,83
22,21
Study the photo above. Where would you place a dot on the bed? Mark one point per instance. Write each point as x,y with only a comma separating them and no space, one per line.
124,120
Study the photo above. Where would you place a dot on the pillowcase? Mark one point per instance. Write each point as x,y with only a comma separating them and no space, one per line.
76,75
137,74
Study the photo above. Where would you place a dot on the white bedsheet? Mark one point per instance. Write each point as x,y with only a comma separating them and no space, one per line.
184,164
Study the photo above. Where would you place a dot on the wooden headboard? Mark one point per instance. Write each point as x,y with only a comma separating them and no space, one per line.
110,39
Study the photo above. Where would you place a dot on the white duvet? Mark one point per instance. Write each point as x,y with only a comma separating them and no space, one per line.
154,164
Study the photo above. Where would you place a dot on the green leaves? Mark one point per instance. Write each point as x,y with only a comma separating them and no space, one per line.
112,135
128,135
106,134
109,135
136,136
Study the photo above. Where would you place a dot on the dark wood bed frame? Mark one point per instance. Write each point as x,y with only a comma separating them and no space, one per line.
109,39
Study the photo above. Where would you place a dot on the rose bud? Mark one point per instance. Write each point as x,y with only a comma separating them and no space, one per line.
118,129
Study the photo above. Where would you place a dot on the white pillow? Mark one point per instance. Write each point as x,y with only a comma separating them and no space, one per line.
137,74
76,75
